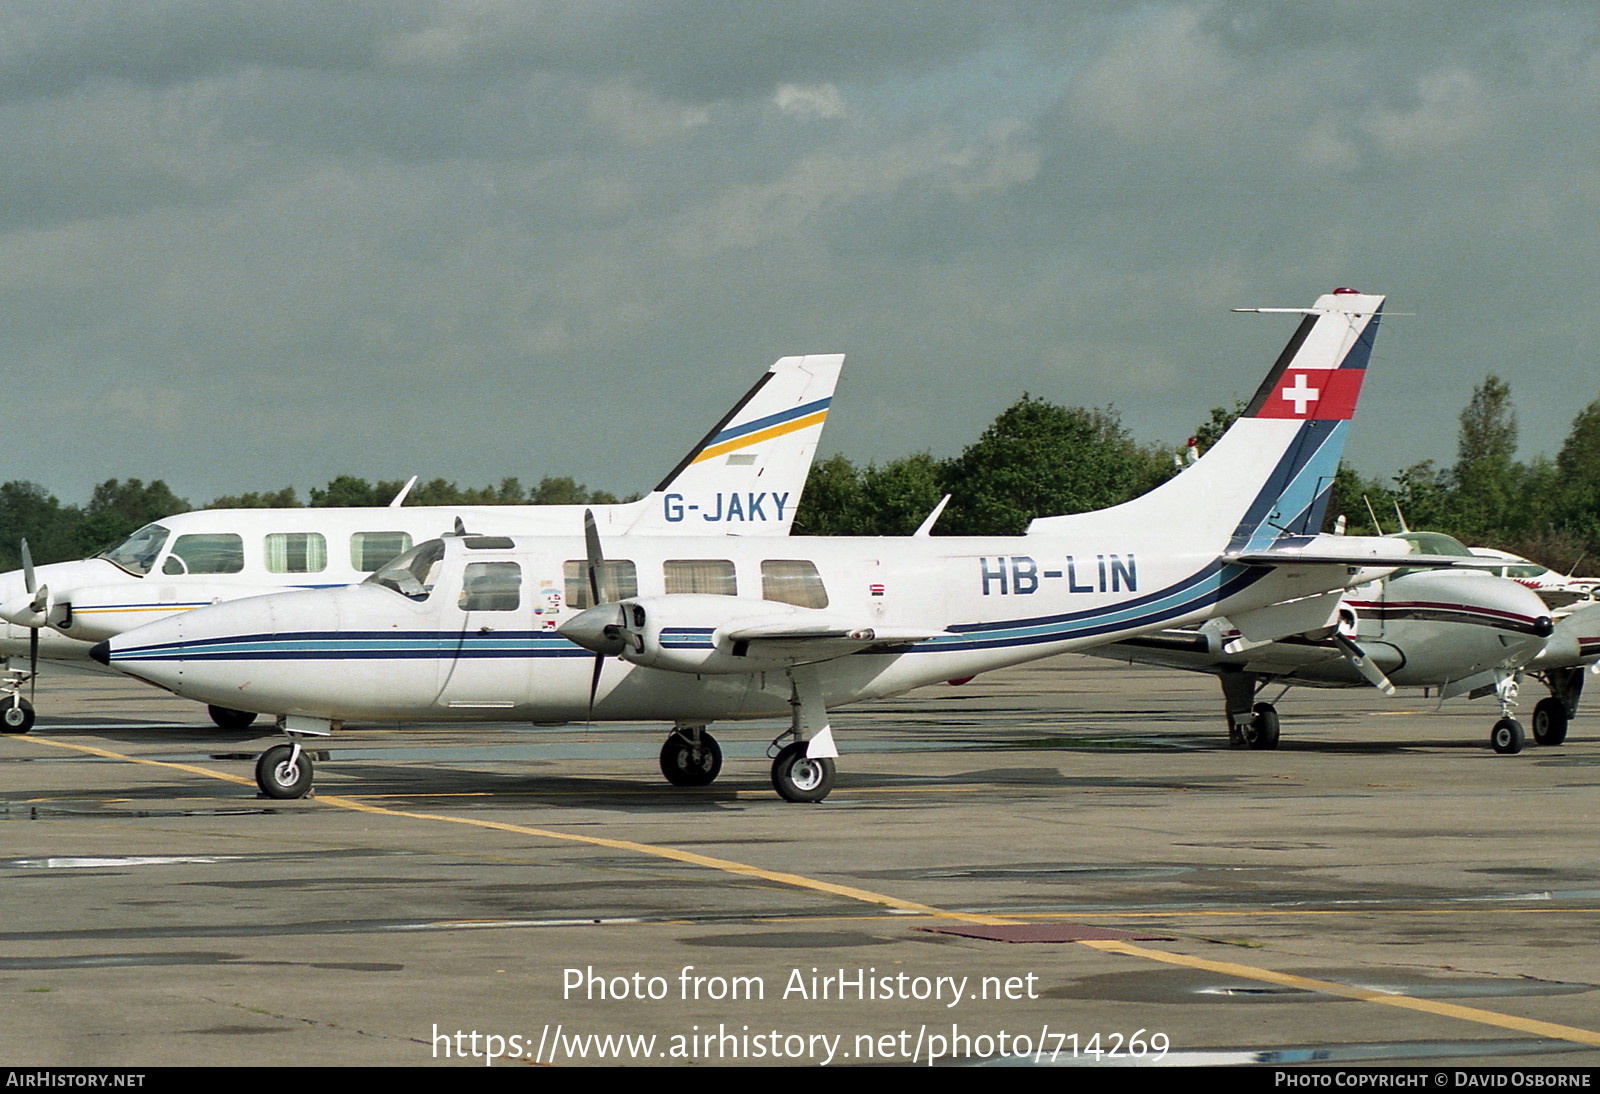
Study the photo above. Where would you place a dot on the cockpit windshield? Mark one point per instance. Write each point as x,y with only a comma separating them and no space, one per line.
1431,543
138,552
1434,543
413,573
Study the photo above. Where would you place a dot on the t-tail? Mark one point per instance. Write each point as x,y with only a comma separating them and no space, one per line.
746,475
1266,482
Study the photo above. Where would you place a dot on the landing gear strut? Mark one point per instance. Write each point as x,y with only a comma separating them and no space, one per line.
691,757
1551,716
1250,724
801,778
284,771
803,769
17,715
1506,737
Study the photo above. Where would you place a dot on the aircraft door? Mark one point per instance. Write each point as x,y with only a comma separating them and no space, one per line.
496,626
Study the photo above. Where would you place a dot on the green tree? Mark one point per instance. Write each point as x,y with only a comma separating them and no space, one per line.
28,511
1040,459
832,504
271,499
1485,480
119,508
347,491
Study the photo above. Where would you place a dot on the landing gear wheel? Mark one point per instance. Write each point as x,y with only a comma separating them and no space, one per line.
282,774
1262,732
1550,721
687,763
798,777
1506,737
16,717
228,718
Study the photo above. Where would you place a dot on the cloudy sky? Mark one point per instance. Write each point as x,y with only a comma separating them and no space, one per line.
247,245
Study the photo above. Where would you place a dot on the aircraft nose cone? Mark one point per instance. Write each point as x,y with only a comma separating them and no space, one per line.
1544,626
595,629
101,652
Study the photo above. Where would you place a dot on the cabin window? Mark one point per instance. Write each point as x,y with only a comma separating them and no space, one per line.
370,550
619,579
700,575
296,553
138,552
210,553
491,587
793,581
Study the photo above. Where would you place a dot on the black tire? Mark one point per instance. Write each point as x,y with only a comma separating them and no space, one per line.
228,718
1262,732
1506,737
685,763
16,717
1550,721
280,776
799,778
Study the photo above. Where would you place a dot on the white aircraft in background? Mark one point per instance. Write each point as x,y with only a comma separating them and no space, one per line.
521,629
745,477
1557,590
1461,632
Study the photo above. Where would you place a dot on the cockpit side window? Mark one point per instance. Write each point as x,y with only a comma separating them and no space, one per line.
491,587
206,553
138,552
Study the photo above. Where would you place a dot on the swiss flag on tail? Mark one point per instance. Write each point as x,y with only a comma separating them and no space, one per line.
1313,393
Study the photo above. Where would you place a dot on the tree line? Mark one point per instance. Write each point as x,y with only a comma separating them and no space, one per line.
1036,458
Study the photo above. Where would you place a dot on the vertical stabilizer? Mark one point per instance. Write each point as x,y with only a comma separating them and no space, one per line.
1270,474
746,475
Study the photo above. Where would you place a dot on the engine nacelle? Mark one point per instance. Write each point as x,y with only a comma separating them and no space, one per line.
707,634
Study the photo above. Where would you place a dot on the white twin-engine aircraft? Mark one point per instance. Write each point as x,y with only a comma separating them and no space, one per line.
745,477
525,628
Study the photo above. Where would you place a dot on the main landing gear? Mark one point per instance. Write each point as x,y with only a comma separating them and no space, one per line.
691,756
803,770
1551,715
1250,724
798,777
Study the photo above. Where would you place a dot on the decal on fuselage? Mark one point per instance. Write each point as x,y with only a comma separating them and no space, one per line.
1020,575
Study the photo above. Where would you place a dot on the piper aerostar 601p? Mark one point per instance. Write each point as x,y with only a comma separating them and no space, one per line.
486,627
1460,632
745,477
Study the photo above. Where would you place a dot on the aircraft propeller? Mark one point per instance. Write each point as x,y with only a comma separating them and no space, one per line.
1363,664
590,628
